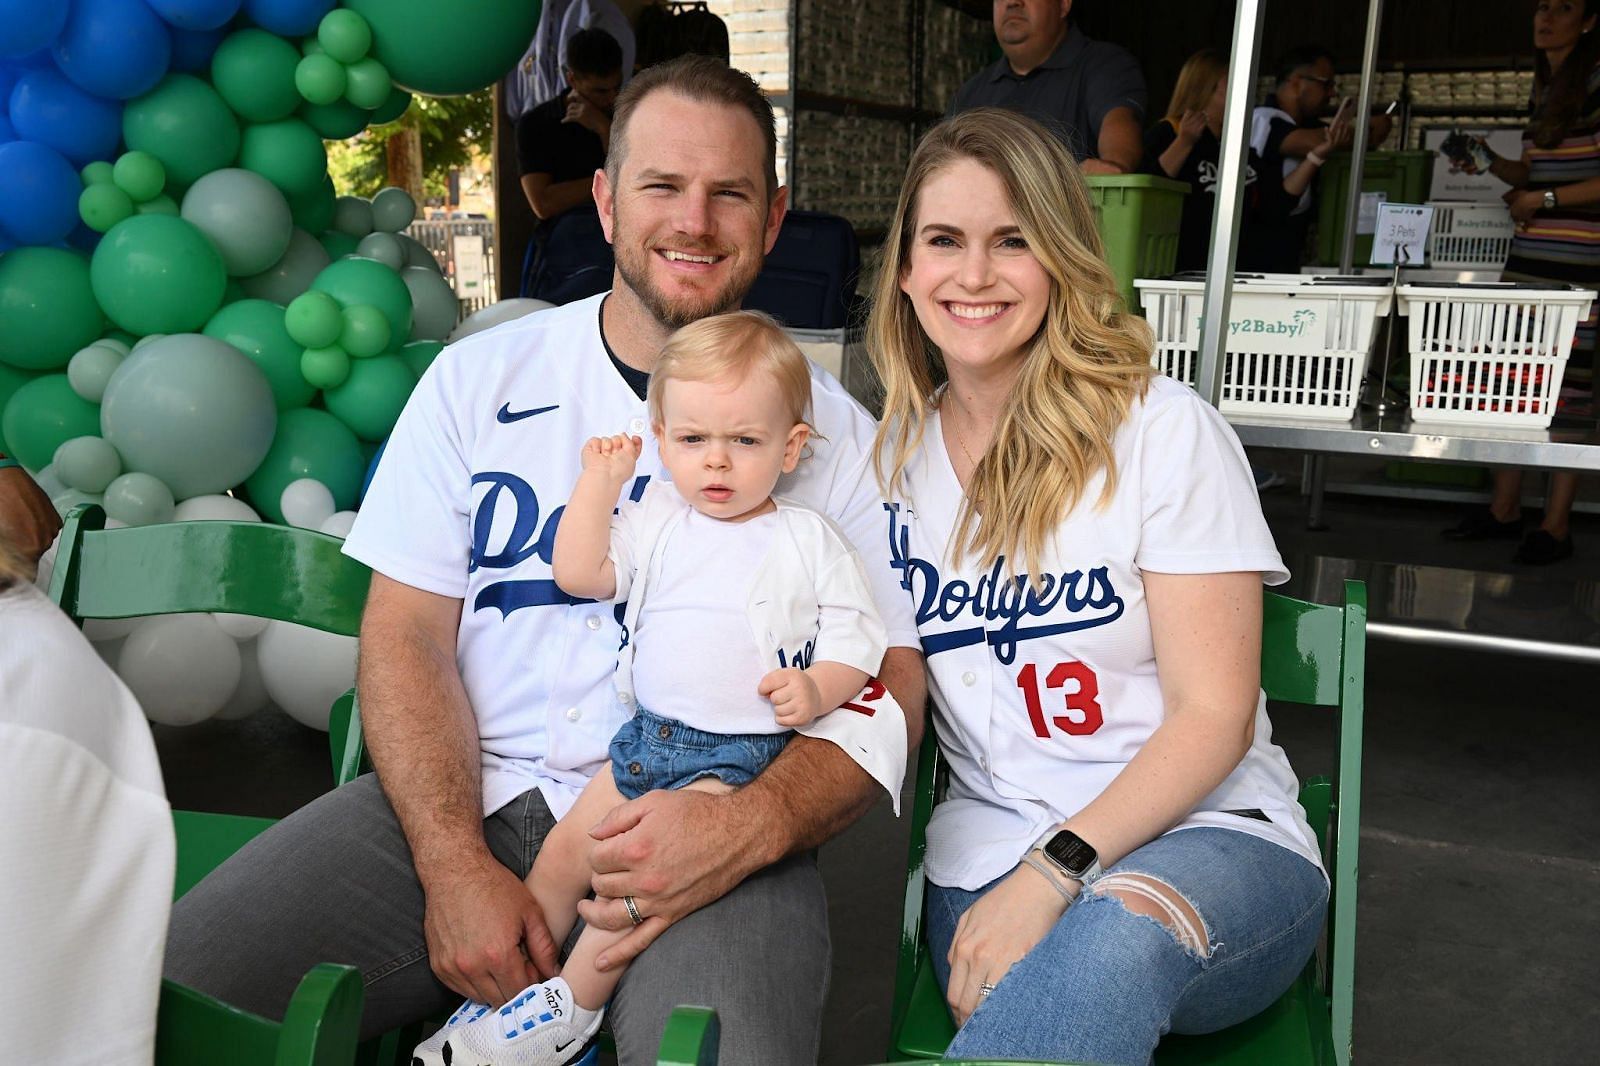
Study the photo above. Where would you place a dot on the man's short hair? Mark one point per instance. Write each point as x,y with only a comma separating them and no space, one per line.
593,52
1299,58
705,80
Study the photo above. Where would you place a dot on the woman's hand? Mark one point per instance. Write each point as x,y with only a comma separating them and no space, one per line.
1524,204
996,932
1191,126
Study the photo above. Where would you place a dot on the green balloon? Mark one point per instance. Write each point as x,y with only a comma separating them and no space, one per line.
366,331
254,71
325,368
344,35
140,175
96,173
338,244
244,216
159,205
156,274
445,49
287,153
435,309
43,415
367,84
47,307
11,379
371,398
390,110
91,368
190,410
103,205
352,215
367,281
309,443
384,248
256,328
291,275
320,79
337,121
87,464
314,320
139,500
419,356
393,210
184,124
313,211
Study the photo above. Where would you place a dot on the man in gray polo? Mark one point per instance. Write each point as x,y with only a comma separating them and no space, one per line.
1091,94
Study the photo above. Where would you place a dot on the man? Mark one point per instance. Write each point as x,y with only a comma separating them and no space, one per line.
538,77
563,141
1089,93
1285,130
487,693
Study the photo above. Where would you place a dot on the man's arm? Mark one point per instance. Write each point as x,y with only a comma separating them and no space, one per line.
1120,146
550,198
1302,141
28,521
675,852
423,739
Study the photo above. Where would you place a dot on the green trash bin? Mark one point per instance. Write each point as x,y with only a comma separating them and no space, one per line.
1139,216
1403,177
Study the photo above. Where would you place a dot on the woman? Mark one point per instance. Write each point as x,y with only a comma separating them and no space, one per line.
1186,146
1086,553
1555,202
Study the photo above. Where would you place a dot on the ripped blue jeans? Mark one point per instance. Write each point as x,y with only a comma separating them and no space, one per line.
1105,984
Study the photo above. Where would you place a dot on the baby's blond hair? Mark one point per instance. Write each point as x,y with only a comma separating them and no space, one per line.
732,345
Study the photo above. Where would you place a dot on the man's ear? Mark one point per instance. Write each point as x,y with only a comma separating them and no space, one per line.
775,213
605,202
791,447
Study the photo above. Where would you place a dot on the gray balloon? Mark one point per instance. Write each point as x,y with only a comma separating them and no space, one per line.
384,248
245,217
292,274
393,210
352,215
192,411
434,308
417,254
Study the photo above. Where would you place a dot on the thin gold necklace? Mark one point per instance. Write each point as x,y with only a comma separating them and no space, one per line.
962,443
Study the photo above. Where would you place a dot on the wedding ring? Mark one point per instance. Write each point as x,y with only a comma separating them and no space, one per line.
984,990
633,910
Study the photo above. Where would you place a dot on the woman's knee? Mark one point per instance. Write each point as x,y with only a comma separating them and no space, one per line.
1146,896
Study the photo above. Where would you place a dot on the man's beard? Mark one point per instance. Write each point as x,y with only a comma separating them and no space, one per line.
633,264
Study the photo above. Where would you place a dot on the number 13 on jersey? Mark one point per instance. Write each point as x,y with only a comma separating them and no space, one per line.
1084,703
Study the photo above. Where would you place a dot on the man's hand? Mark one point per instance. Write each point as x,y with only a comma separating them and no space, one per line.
588,116
486,936
614,457
673,852
28,520
795,699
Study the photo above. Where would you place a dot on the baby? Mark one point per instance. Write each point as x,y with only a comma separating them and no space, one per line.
748,616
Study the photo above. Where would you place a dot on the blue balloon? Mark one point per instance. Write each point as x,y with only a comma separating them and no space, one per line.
287,18
192,49
47,108
38,193
196,14
113,48
25,28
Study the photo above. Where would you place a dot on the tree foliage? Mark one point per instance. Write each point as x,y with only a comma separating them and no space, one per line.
453,129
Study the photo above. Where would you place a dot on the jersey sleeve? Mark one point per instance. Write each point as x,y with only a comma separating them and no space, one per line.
859,510
850,630
1200,513
412,525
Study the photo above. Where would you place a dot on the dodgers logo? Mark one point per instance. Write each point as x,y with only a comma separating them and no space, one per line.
1089,596
526,539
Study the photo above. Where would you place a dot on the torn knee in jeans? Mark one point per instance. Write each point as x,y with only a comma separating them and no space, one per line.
1155,899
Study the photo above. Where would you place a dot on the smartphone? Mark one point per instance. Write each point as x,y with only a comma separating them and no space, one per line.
1466,152
1392,105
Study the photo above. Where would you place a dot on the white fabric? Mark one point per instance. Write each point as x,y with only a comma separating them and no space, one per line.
1261,120
1185,503
538,76
86,846
463,505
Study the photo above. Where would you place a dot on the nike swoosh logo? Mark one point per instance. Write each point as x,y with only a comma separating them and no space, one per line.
507,415
562,1047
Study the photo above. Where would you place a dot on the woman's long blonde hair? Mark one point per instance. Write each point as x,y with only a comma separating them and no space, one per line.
1079,374
1197,81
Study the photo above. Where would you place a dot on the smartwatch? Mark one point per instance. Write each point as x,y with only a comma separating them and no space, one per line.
1549,199
1072,855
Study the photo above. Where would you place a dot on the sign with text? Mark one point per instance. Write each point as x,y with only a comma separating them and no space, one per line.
1452,183
1402,233
468,253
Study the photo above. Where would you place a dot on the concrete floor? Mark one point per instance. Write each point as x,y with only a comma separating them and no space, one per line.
1479,860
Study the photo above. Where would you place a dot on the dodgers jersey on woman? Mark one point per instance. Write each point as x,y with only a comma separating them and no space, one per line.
465,504
1043,694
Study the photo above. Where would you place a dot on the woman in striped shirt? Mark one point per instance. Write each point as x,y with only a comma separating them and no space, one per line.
1555,201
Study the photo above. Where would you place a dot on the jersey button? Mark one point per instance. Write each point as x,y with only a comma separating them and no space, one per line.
969,679
983,763
593,621
636,426
626,698
573,714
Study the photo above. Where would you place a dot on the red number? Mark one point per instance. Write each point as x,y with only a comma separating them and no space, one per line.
871,694
1085,700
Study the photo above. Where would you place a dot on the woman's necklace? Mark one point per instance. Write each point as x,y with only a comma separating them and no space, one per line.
961,442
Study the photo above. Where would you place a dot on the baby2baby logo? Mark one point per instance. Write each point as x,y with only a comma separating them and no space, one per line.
1087,597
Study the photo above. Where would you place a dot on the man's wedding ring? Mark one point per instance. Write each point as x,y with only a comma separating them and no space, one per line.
633,910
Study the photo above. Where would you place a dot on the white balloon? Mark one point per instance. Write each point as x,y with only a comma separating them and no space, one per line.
181,667
110,651
339,525
46,479
67,499
306,670
214,507
306,502
99,630
434,307
496,313
240,626
251,695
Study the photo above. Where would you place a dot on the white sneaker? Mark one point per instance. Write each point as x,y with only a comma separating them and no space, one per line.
541,1026
427,1053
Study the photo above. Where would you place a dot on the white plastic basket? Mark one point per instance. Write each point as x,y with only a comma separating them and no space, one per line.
1470,236
1490,354
1297,345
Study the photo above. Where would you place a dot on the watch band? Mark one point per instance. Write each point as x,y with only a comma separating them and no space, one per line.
5,462
1084,875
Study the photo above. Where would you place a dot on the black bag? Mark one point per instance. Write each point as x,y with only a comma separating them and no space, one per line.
667,31
809,279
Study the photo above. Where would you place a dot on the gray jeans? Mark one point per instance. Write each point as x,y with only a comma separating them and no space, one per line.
333,882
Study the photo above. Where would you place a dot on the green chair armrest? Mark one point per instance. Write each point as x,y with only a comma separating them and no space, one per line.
690,1038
